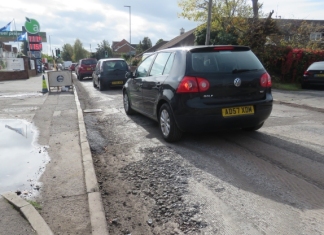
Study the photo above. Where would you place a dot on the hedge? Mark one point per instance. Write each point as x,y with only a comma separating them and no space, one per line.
286,64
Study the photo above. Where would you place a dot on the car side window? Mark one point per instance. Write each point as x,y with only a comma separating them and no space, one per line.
169,64
159,63
144,67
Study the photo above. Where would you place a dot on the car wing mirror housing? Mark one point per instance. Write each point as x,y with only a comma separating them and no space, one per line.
129,75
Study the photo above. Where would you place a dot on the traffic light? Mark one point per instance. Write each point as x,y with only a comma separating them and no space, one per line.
57,52
106,54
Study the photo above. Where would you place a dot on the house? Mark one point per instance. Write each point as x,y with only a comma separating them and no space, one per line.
123,47
184,39
8,51
288,27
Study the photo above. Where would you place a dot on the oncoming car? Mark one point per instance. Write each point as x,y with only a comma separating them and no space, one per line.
200,89
110,73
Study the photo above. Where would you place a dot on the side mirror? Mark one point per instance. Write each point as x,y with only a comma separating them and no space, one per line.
129,75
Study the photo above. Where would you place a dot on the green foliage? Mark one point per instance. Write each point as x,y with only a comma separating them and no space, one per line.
103,50
135,61
48,57
287,65
67,52
35,204
159,41
297,35
217,37
79,51
126,57
257,34
143,45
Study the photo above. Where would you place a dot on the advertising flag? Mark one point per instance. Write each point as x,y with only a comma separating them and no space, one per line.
22,37
5,28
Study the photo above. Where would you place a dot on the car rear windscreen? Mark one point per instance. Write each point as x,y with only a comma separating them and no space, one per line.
224,61
316,66
114,65
89,62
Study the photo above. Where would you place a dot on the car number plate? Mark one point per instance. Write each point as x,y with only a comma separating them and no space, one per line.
319,75
236,111
88,68
117,83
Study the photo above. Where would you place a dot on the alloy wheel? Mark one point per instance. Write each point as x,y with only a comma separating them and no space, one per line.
165,122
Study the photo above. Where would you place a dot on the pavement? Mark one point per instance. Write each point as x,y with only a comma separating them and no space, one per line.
70,196
18,216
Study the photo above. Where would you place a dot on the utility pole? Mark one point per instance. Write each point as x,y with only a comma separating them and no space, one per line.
130,31
208,23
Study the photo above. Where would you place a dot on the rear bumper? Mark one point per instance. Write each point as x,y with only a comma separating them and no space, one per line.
86,73
308,80
213,120
110,82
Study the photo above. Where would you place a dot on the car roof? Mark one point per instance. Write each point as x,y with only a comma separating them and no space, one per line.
192,48
111,59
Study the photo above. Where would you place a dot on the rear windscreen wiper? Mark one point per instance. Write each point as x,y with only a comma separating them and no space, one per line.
243,70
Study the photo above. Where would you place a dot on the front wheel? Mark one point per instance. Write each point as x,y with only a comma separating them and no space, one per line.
127,105
168,127
100,85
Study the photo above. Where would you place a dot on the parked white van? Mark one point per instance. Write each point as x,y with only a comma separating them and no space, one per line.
66,65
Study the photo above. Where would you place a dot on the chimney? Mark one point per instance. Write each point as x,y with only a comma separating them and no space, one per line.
182,31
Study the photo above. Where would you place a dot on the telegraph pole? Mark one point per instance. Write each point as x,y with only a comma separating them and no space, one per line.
208,23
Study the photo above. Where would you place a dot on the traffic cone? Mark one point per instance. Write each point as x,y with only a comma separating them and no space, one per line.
44,90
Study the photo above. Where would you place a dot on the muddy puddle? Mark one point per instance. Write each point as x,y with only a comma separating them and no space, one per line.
22,160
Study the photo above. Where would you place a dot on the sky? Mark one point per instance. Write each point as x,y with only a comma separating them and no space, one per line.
93,21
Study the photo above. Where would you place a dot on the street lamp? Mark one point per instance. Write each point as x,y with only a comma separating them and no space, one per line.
49,37
130,30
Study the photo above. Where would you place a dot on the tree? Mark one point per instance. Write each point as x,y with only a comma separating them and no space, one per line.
144,45
229,18
79,51
67,52
103,50
159,41
48,57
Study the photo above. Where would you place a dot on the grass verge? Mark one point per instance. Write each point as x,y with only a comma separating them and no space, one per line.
286,86
35,204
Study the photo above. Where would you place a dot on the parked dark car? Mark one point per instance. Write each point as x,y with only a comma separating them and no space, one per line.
72,67
85,68
314,75
110,73
200,89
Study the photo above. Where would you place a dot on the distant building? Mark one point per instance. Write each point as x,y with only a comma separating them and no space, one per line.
123,47
7,51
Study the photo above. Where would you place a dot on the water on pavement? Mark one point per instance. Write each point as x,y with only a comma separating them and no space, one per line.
22,160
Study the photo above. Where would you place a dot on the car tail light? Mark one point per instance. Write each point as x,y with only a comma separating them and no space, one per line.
265,80
307,73
223,48
192,85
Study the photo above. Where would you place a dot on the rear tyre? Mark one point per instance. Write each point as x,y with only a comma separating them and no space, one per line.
253,128
168,127
100,85
127,105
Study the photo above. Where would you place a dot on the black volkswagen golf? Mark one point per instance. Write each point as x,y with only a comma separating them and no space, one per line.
200,89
